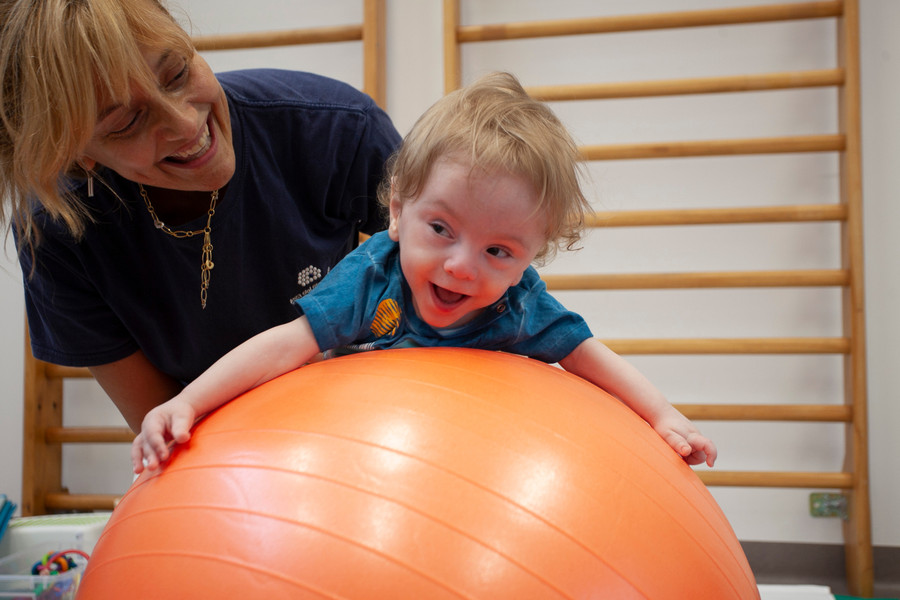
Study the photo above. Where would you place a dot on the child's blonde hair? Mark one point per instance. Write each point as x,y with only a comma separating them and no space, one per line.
494,124
58,60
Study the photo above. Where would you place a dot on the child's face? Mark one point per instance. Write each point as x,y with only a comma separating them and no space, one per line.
465,239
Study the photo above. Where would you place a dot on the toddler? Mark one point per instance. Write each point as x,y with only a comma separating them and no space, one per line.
484,185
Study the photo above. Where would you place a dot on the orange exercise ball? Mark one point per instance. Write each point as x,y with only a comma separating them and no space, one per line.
424,474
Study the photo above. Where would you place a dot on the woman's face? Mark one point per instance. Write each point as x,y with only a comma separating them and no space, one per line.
176,135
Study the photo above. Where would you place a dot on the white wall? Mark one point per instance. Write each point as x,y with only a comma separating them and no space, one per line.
415,80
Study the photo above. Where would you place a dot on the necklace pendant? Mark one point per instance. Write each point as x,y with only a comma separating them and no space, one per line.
206,263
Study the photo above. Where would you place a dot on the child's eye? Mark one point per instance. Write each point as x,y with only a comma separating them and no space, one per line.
438,228
498,252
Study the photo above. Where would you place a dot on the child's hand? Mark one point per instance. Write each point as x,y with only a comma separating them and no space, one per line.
167,422
685,438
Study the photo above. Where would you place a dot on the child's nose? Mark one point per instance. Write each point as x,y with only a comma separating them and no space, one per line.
460,264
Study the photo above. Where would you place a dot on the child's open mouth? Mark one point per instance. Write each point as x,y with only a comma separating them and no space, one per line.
447,298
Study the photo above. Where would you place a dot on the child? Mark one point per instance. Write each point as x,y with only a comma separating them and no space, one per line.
485,184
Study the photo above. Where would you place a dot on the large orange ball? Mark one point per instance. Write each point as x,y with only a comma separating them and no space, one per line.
426,474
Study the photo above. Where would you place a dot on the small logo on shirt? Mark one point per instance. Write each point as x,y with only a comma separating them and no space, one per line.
309,276
307,279
387,318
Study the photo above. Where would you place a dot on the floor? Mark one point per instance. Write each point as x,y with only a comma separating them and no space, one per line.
817,565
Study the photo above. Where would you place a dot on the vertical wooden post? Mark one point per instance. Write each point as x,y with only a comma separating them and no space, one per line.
452,69
41,462
857,527
374,59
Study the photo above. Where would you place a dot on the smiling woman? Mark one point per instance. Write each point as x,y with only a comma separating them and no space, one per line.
131,171
51,104
172,134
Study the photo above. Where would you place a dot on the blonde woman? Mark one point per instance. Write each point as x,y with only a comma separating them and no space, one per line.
160,208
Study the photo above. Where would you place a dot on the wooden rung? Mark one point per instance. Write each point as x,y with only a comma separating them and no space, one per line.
729,147
288,37
80,502
88,435
776,479
823,413
675,87
729,279
719,216
813,345
61,372
698,18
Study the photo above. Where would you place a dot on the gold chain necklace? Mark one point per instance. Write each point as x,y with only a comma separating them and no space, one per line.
206,263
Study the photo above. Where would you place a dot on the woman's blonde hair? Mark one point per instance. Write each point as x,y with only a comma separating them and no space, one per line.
494,125
58,60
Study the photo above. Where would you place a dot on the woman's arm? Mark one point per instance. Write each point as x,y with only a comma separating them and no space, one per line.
258,360
593,361
135,386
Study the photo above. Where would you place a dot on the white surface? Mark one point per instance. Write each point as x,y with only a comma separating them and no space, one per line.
795,592
75,531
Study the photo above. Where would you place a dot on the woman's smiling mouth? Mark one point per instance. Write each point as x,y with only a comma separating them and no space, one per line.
203,144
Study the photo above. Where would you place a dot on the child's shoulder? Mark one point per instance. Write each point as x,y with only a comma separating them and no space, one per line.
379,247
529,290
531,280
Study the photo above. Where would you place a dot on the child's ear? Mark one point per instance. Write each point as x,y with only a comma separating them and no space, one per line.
395,206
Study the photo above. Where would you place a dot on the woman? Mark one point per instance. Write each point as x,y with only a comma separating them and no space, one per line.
159,208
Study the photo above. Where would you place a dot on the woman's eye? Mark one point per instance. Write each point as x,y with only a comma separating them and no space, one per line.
498,252
128,126
179,78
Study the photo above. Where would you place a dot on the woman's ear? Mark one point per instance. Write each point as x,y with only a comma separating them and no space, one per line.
395,205
87,164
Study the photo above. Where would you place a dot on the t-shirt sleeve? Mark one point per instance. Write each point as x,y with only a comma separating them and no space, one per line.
69,321
337,308
349,160
548,331
378,142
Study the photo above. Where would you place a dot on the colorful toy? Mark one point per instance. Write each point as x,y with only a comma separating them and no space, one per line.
421,473
54,563
54,577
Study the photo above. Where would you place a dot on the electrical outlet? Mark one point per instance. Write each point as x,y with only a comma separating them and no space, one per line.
827,504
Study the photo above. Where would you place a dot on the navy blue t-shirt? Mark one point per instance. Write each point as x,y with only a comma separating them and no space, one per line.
310,153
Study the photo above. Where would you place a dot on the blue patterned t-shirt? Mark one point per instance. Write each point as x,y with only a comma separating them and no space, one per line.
364,303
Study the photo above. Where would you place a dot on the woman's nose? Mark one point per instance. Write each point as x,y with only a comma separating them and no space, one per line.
177,120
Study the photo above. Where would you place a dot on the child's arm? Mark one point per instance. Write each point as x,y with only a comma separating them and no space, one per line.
261,358
593,361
